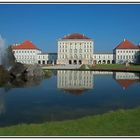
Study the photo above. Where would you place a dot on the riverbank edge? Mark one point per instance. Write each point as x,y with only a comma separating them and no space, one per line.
115,123
109,70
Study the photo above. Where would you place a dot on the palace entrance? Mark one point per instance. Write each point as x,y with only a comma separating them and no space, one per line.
75,62
80,62
70,62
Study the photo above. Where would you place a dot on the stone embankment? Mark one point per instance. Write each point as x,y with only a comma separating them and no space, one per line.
62,67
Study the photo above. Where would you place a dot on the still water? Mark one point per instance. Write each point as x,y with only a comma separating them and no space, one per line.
65,95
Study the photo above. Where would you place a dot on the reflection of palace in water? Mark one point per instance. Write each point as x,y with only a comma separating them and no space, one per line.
76,82
126,79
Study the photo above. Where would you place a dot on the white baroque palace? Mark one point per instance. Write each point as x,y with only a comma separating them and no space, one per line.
76,49
127,52
28,53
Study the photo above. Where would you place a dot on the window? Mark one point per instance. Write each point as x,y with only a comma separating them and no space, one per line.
39,62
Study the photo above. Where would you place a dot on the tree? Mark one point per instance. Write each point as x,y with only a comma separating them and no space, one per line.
10,57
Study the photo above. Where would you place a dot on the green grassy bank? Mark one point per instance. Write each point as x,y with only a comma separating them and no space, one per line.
113,67
119,123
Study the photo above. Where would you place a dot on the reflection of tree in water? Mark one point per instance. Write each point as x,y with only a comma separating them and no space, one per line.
54,72
2,101
48,74
24,82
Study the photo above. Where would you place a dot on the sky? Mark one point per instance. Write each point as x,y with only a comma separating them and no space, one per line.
44,24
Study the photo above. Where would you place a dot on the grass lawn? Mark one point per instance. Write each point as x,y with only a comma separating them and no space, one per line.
113,67
117,66
119,123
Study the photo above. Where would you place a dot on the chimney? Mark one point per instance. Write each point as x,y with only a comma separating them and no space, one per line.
124,39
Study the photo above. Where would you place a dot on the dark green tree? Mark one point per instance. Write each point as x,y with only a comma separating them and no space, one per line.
10,56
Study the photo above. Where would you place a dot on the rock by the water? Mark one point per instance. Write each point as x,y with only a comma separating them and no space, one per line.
17,70
21,75
34,71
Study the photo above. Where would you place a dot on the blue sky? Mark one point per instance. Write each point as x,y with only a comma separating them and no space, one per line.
43,24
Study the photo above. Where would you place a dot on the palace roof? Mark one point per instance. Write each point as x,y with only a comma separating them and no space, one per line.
126,45
25,45
76,36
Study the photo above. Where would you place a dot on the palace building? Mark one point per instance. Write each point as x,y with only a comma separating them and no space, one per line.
28,53
76,49
127,52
